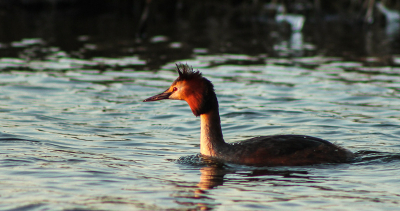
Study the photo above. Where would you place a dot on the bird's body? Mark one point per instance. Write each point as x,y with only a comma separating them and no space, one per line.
276,150
282,150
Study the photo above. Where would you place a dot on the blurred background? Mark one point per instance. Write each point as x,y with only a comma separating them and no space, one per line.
158,32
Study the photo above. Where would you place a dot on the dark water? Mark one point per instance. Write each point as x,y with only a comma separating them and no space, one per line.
76,136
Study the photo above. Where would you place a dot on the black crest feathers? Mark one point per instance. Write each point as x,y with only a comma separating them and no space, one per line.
187,73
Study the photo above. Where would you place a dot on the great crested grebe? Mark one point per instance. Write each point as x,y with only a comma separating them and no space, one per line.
275,150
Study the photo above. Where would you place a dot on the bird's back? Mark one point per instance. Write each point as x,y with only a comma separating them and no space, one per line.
288,150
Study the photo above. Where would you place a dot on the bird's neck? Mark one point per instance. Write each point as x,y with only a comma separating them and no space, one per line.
211,139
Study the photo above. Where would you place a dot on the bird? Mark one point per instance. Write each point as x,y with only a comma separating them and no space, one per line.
270,150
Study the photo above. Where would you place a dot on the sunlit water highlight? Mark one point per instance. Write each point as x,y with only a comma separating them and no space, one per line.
83,139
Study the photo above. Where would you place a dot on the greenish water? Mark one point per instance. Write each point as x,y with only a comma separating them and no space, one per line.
82,139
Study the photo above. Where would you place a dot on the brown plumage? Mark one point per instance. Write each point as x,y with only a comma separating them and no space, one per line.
277,150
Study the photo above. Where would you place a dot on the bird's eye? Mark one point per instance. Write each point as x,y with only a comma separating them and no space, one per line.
174,89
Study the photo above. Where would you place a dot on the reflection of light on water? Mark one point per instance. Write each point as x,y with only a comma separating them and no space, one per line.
27,42
296,41
391,15
11,62
396,60
200,50
392,20
296,22
58,61
130,60
392,29
159,38
294,46
175,45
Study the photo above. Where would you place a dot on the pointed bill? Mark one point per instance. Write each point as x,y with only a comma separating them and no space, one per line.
162,96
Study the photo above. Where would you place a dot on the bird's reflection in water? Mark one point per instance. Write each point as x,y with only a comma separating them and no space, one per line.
212,175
